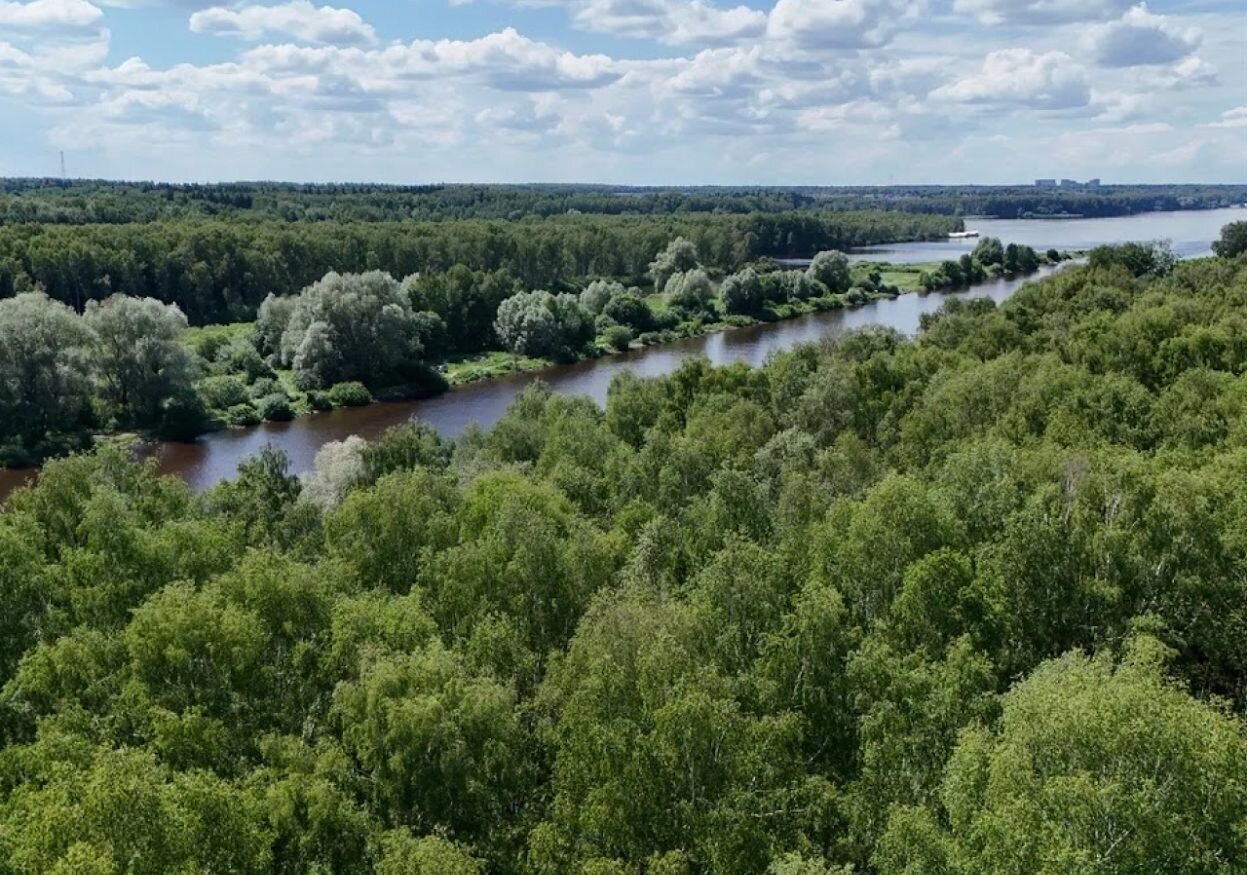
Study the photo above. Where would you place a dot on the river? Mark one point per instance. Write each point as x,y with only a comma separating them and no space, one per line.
1190,233
215,457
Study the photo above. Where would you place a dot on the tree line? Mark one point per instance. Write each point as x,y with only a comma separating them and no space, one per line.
221,270
62,201
131,364
971,602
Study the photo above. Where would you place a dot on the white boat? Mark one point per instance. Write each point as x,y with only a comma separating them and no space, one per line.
962,235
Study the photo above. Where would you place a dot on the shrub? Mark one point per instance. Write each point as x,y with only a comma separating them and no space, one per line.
241,415
629,309
350,395
318,400
275,408
222,393
618,337
264,387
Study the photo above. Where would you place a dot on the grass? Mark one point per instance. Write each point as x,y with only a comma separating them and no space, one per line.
215,335
490,365
462,370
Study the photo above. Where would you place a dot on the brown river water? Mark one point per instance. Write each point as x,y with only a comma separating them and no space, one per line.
215,457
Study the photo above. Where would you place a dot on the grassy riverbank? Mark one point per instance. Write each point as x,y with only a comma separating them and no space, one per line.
237,387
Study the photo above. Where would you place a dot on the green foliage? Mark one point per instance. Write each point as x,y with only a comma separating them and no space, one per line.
141,362
989,251
617,337
1138,259
353,327
1233,240
349,395
832,270
690,292
220,268
961,603
542,324
223,392
45,369
598,294
275,408
680,256
742,292
630,310
1099,768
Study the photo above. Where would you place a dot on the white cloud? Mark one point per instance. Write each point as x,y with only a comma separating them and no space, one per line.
1190,72
1040,11
49,15
1231,118
298,19
1048,80
1140,38
755,96
672,22
821,25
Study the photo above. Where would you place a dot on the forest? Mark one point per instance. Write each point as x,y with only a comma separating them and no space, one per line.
969,602
220,270
130,364
79,202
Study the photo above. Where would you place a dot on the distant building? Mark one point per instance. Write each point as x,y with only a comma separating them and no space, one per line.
1066,183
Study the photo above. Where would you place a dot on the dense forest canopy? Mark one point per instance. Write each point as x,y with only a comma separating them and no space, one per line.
63,201
219,270
974,602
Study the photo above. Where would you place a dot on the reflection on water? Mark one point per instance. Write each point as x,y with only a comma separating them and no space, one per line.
216,456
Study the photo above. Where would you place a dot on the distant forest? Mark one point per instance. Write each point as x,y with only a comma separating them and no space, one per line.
221,269
57,201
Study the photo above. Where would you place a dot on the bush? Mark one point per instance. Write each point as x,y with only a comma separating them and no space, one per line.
855,296
241,415
240,357
1139,259
617,337
275,408
222,393
629,309
318,400
264,387
350,395
182,417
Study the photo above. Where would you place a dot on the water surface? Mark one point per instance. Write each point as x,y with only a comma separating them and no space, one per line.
1189,232
216,456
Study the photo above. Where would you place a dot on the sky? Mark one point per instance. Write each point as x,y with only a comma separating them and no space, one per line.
662,92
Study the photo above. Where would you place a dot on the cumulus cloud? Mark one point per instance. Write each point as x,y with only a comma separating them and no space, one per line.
1047,80
49,15
1140,38
1231,118
765,84
1040,11
814,25
298,19
672,22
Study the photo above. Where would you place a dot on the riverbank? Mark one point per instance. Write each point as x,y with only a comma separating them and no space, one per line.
216,456
464,371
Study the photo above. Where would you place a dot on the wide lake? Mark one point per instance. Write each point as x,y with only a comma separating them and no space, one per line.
216,456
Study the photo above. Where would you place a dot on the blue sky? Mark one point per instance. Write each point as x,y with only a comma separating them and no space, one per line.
626,91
